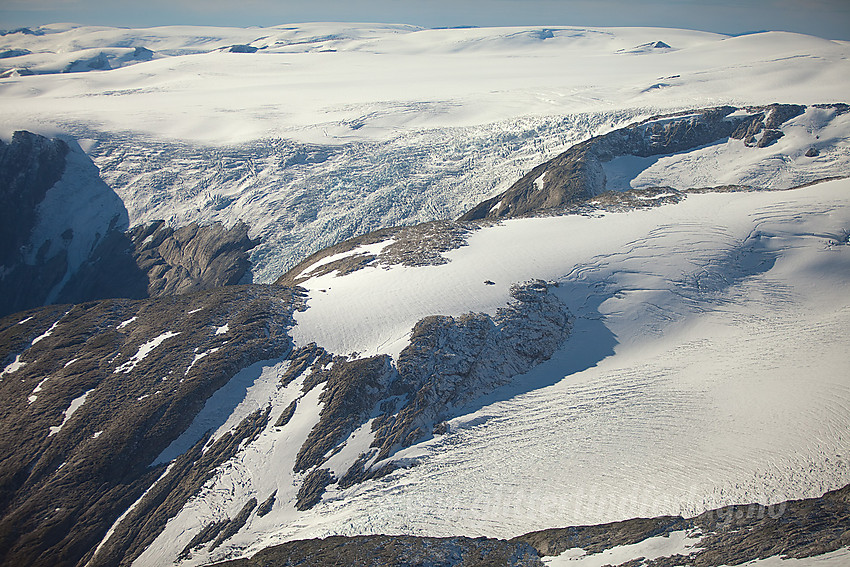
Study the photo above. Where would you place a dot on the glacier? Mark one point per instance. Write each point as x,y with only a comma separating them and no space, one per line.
707,357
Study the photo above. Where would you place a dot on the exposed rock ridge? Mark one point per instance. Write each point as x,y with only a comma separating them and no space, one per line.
419,245
65,476
577,175
729,536
450,362
394,551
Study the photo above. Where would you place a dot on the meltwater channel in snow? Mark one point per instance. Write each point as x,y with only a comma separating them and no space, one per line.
707,366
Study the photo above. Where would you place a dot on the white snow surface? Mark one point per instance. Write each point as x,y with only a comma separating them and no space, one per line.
76,404
144,350
45,334
707,366
13,366
330,130
33,397
837,558
674,543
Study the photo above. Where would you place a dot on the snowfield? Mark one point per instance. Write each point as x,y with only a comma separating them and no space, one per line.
708,359
332,130
707,366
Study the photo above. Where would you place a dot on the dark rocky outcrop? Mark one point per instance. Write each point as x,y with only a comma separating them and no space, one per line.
8,53
24,31
153,260
352,388
394,551
450,362
577,175
142,53
418,245
312,488
267,505
729,536
64,480
99,62
233,526
242,48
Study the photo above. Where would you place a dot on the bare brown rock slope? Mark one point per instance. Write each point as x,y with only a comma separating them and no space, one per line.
91,394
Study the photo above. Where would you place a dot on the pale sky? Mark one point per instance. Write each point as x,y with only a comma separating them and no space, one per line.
825,18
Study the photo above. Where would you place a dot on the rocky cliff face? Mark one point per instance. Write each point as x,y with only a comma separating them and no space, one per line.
392,551
29,166
155,260
577,175
65,239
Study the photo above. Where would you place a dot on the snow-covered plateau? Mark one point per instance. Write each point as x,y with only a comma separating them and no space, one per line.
330,130
620,361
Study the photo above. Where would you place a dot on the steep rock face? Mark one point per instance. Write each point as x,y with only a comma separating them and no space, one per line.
29,166
577,174
197,257
85,412
155,260
450,361
65,240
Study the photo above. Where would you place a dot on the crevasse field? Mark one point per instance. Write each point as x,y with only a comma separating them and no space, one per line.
708,363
